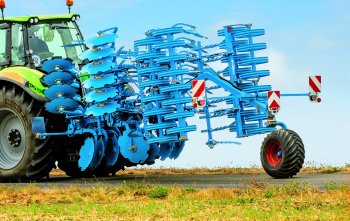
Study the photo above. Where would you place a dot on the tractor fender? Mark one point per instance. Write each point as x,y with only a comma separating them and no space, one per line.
27,79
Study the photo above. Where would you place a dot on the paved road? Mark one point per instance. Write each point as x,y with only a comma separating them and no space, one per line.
231,180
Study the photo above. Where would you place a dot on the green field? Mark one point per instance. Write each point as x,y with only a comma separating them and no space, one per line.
297,201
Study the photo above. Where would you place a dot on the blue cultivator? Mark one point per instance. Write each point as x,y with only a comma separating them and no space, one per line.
135,113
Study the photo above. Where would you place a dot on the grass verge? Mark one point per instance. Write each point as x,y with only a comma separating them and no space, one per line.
154,202
220,170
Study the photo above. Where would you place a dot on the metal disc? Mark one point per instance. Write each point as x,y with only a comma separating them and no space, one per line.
86,154
100,81
57,105
98,153
101,39
112,150
133,148
98,66
153,153
58,91
96,53
58,63
100,95
178,147
165,150
101,109
58,77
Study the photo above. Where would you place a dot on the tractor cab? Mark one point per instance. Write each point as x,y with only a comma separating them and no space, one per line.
28,40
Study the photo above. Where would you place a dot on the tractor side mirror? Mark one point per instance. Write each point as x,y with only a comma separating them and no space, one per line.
49,34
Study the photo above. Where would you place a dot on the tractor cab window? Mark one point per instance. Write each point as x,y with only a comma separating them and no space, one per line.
17,49
47,40
3,35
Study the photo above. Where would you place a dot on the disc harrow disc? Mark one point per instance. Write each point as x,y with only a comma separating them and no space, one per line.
100,81
98,66
58,105
165,150
100,95
58,77
57,63
133,148
101,109
176,151
101,39
153,153
96,53
98,153
86,153
59,91
112,150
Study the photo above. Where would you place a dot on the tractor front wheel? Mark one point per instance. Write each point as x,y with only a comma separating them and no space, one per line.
282,153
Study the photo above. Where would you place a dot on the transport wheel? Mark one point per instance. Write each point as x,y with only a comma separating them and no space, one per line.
282,153
21,156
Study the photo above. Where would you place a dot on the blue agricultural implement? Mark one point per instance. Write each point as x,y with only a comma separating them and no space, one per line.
99,108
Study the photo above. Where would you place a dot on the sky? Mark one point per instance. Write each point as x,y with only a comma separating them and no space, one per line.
303,38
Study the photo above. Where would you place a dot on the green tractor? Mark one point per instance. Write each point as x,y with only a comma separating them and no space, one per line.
25,42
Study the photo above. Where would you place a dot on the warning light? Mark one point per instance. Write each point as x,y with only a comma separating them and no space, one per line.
229,29
2,6
69,2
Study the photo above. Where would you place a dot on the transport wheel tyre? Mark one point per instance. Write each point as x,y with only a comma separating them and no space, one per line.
21,156
282,153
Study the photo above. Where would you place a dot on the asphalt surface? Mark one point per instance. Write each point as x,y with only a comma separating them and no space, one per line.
200,181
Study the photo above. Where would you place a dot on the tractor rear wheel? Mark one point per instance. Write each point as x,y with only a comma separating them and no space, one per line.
21,156
282,153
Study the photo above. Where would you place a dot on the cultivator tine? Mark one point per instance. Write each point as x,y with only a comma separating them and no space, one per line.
161,68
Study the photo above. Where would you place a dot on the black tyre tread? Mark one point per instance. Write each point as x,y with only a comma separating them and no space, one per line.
293,151
41,160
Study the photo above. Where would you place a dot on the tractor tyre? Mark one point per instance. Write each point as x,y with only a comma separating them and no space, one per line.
282,153
21,156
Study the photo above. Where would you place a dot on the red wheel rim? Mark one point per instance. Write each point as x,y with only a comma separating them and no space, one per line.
274,153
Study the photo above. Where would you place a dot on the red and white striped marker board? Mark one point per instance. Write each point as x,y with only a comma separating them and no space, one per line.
273,100
198,93
198,88
315,84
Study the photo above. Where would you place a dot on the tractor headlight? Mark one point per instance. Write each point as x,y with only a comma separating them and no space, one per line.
75,18
36,20
31,21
